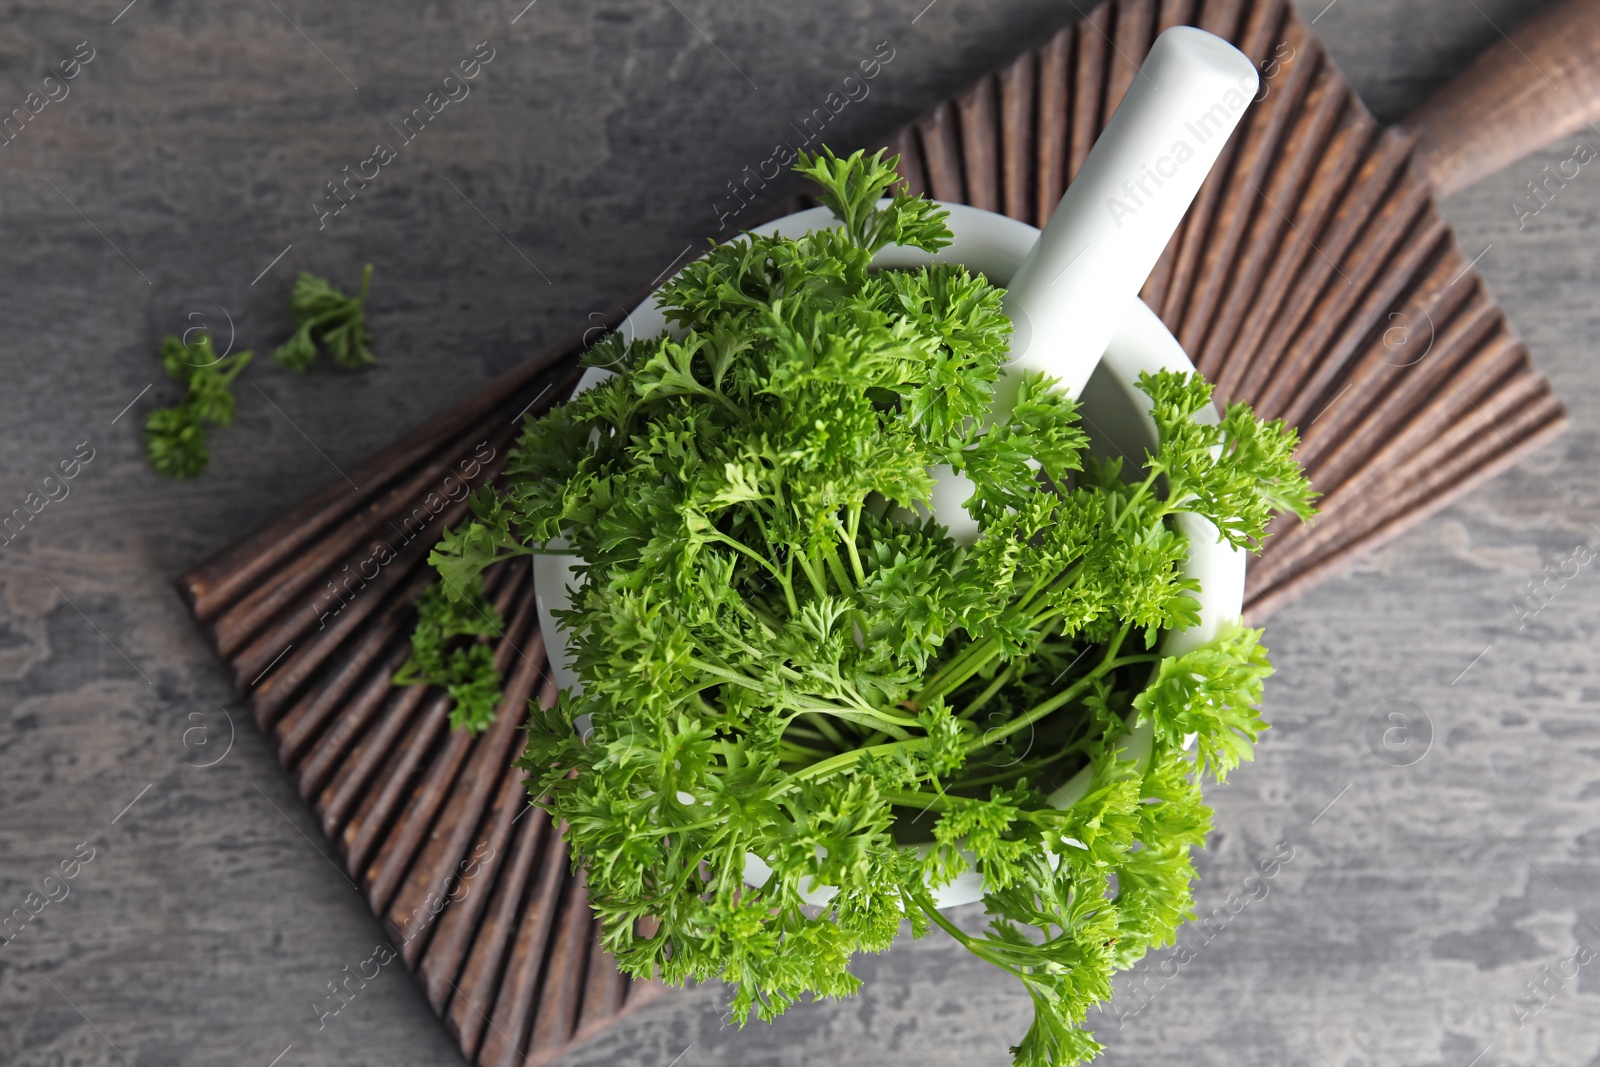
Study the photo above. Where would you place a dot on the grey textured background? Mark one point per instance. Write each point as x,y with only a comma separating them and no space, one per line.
1415,908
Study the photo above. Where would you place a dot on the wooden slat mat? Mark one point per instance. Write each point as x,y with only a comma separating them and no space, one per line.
1313,277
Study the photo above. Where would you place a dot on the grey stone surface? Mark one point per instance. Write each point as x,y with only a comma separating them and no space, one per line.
1419,900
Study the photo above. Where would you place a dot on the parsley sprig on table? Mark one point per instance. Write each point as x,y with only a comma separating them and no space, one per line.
792,681
327,320
175,437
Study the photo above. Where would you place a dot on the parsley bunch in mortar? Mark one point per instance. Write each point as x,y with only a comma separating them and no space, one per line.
804,707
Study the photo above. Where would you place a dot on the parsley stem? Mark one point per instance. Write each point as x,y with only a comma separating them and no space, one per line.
714,534
972,659
1135,497
727,675
795,751
965,939
840,578
808,567
1056,583
918,800
1017,770
885,724
718,395
852,531
786,579
1034,714
1000,680
967,662
824,727
1108,663
845,759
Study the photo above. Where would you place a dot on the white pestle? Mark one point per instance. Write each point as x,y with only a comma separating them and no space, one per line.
1074,290
1122,209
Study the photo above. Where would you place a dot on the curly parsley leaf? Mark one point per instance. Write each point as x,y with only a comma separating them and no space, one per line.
1211,693
1236,473
327,320
851,188
175,437
465,669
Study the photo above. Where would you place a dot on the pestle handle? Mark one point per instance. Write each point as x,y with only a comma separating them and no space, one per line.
1538,85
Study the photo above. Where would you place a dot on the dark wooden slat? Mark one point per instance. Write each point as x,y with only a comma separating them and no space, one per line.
347,782
1369,373
306,718
1365,281
1337,188
1543,422
357,534
378,693
356,537
505,1042
299,619
1172,13
351,770
1132,33
1054,123
1155,287
1469,453
1222,17
1396,391
557,1015
1387,474
1303,213
1489,356
1194,236
1017,148
475,873
296,654
389,865
418,715
604,989
328,751
941,153
450,837
394,782
1260,137
978,113
474,991
904,144
1297,155
1308,390
393,856
1089,66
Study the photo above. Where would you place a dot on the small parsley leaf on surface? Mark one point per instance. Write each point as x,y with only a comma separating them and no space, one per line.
328,321
175,437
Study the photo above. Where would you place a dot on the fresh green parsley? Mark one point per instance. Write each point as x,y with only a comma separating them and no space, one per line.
781,659
175,437
465,669
329,321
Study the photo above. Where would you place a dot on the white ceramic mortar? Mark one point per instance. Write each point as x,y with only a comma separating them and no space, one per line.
1072,295
1115,412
